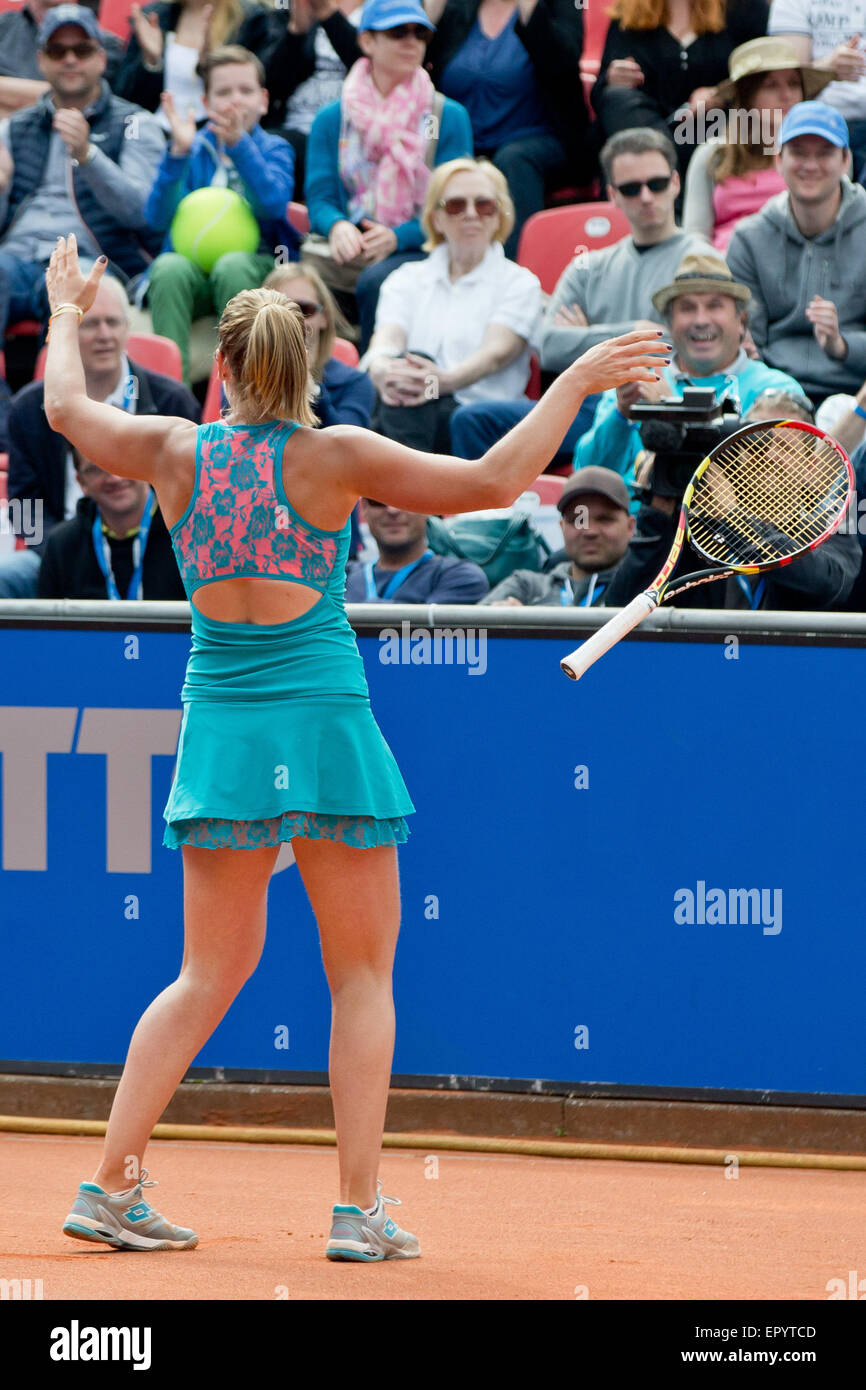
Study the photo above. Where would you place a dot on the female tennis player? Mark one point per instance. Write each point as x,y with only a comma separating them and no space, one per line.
278,741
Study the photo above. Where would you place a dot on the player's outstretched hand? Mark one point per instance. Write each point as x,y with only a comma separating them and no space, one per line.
636,356
64,280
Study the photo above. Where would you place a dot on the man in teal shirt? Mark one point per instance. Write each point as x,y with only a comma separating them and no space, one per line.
704,309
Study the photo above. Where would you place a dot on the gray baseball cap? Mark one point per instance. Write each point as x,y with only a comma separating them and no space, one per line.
70,14
595,479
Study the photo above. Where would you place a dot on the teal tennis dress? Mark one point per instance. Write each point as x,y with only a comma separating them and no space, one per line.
278,738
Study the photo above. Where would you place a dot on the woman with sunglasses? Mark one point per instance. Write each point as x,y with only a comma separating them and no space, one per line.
514,65
455,328
278,741
661,56
369,156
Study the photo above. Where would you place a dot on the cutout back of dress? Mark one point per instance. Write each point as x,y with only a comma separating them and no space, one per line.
240,523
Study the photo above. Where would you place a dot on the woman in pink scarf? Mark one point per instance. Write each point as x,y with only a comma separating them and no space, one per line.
369,154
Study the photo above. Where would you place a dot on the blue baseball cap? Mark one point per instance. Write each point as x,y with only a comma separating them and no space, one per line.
386,14
815,118
70,14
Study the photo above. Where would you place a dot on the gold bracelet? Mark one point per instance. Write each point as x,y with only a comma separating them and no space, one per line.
63,309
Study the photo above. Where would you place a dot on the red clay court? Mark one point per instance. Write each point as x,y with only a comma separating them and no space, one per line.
492,1227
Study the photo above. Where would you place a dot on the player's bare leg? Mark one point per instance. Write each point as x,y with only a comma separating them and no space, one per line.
225,908
355,895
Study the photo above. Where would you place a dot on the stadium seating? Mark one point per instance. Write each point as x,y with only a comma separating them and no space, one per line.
344,351
114,15
595,26
147,349
548,487
552,238
299,217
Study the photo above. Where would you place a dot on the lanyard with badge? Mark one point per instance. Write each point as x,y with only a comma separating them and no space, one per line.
753,595
103,552
396,579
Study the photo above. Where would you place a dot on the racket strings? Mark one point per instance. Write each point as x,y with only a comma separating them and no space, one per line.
767,495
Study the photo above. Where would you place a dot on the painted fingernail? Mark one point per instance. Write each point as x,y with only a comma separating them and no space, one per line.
103,260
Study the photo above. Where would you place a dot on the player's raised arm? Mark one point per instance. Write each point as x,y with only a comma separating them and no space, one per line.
370,466
129,445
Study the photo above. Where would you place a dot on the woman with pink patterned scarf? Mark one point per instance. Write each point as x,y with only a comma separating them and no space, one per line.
369,154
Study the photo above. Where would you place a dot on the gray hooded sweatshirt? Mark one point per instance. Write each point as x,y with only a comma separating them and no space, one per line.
784,269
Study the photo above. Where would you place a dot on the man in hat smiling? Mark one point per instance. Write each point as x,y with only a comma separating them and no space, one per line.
704,309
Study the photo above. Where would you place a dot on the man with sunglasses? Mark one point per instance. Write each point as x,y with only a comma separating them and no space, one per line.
21,81
80,160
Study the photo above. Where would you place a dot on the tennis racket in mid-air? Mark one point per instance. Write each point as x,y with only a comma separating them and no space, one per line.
767,494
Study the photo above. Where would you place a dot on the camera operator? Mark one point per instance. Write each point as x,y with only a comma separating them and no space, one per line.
704,310
821,579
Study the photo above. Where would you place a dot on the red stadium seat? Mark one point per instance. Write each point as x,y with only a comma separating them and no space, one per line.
147,349
596,23
24,328
548,487
114,15
212,405
344,351
552,238
299,217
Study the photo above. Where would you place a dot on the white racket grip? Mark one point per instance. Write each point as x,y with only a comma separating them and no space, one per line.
607,636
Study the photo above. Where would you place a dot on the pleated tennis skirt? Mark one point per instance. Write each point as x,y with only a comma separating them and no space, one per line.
278,739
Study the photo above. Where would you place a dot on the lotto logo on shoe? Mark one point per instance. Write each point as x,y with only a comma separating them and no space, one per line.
389,1227
138,1212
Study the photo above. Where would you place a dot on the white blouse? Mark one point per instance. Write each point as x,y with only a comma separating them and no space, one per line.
447,320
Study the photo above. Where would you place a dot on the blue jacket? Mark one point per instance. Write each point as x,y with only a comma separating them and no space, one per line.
347,396
612,441
266,163
325,193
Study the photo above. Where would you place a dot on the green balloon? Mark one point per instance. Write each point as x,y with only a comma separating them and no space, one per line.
211,222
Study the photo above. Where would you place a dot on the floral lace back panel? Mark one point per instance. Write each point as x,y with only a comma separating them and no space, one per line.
239,522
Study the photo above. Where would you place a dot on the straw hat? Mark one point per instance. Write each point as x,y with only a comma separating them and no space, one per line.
701,272
768,55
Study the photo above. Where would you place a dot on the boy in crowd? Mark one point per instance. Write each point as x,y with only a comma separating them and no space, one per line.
231,152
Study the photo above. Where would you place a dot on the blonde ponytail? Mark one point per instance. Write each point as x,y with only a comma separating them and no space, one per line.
261,334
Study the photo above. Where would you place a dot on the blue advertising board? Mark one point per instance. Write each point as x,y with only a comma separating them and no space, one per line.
647,881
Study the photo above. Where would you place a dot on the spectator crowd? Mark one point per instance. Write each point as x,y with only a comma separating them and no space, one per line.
383,165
